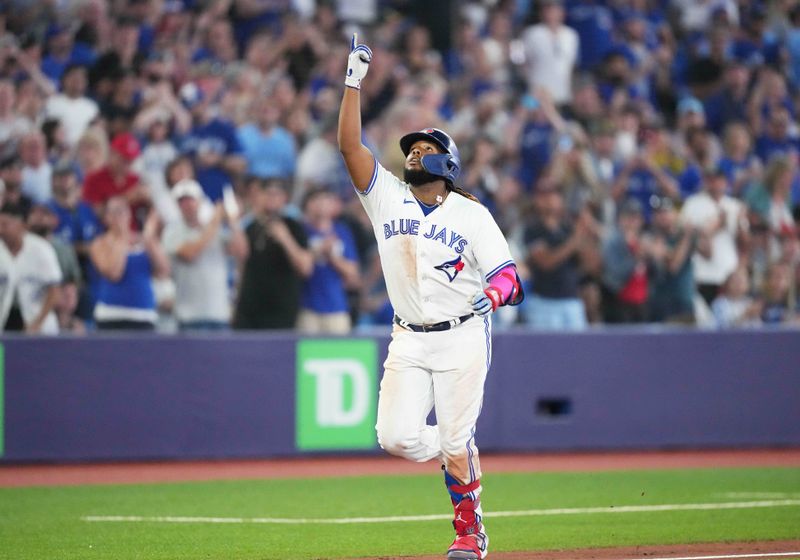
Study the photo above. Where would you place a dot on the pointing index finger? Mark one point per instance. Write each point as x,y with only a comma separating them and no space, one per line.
354,42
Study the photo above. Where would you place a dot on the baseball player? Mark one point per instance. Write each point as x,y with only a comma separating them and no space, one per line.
447,267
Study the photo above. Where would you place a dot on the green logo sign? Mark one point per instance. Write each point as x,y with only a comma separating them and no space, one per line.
336,394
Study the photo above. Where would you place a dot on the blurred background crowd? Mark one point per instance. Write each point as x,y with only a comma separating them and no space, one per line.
172,164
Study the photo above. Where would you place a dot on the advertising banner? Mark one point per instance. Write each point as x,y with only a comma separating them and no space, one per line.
336,397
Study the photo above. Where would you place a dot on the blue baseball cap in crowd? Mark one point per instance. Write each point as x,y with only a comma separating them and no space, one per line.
690,105
530,102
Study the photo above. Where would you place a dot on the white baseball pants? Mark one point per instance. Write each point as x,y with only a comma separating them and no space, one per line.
445,370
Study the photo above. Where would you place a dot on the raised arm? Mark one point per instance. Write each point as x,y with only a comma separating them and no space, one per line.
359,160
682,251
191,250
109,255
159,261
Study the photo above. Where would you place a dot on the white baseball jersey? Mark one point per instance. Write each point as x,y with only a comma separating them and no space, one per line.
26,277
432,264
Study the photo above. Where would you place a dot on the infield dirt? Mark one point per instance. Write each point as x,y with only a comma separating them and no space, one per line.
324,466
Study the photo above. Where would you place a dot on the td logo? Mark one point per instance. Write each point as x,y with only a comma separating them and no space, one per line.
336,394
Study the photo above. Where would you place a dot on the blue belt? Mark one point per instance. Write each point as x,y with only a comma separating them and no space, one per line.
443,326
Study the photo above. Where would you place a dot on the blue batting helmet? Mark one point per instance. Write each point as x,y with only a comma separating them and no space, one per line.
446,165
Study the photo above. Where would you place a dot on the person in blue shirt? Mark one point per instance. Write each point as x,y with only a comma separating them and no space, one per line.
126,261
63,51
756,44
729,103
741,167
140,12
699,158
595,26
77,222
269,148
776,140
324,306
618,77
211,143
77,226
250,18
537,137
792,45
638,42
218,46
643,178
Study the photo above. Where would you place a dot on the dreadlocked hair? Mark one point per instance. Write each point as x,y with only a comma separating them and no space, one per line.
463,193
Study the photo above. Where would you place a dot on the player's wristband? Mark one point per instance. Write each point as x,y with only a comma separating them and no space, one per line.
352,82
494,296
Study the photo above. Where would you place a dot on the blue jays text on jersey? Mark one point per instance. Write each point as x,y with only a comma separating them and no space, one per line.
419,251
407,226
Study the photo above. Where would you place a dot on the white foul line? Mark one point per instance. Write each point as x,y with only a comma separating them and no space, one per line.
758,495
762,555
437,517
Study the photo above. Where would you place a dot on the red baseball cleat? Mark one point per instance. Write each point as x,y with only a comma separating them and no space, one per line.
471,541
466,547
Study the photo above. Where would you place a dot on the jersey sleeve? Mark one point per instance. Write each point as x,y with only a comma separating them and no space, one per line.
382,187
49,269
490,246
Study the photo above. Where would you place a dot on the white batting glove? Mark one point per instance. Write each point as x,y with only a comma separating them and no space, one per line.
485,302
357,63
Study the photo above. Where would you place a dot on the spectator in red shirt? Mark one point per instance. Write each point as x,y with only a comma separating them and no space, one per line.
625,285
117,179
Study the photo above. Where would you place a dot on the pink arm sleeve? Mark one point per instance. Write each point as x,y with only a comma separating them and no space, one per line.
505,281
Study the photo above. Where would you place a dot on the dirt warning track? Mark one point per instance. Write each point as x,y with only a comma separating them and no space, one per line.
181,471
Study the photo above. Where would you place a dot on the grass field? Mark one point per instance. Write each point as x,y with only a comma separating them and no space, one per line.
48,522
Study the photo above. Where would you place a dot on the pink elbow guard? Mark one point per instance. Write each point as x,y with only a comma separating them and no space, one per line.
506,284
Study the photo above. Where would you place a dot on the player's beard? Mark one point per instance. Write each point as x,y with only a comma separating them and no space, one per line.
417,177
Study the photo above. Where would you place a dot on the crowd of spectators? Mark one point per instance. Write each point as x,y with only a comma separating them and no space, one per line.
172,164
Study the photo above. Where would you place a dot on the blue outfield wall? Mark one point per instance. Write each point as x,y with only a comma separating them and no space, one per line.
128,398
